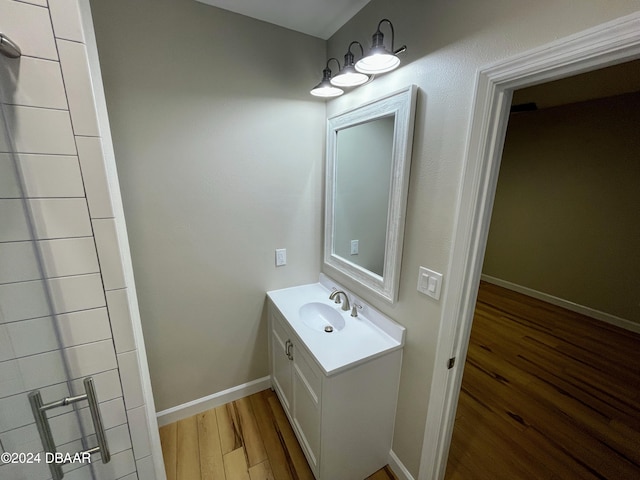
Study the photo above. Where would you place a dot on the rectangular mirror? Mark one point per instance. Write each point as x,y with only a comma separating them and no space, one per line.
368,161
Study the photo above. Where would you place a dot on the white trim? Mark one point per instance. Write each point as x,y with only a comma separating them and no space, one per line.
607,44
561,302
398,467
214,400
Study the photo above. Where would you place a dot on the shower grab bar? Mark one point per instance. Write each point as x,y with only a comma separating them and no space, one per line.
42,421
8,47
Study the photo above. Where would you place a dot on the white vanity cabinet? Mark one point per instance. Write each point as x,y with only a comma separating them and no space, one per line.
343,420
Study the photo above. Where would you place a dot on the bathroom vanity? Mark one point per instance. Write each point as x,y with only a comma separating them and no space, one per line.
338,385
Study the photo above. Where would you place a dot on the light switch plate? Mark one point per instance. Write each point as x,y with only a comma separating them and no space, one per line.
429,282
281,257
354,247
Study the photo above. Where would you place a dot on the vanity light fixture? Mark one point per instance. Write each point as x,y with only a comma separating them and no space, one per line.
379,59
348,76
325,87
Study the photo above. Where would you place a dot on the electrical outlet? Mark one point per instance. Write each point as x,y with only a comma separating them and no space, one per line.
281,257
429,282
354,247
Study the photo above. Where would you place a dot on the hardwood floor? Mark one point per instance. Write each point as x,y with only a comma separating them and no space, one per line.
249,439
546,394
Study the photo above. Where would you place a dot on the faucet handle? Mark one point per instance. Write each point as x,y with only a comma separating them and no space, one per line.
355,308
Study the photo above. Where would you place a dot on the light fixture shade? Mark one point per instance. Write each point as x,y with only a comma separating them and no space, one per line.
376,63
349,77
324,88
380,60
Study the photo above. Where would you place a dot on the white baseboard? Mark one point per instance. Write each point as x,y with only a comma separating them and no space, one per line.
203,404
574,307
398,467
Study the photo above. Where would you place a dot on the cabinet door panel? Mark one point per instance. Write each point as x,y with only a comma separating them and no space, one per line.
307,409
281,368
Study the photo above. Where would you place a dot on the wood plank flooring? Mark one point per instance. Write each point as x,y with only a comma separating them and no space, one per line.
249,439
546,394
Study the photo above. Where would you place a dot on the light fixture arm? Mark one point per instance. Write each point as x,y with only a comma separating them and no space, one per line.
348,58
378,37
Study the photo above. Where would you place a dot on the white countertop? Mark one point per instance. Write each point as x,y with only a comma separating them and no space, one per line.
369,335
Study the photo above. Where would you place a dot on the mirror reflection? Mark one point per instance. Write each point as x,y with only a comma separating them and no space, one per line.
362,186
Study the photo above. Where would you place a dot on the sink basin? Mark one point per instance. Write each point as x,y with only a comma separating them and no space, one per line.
321,317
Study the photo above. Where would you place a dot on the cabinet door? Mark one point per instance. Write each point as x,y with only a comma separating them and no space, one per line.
307,386
281,367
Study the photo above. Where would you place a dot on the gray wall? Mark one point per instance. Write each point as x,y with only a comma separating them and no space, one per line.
447,42
565,218
219,152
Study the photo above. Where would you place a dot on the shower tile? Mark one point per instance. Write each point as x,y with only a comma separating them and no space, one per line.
107,386
42,370
40,130
146,470
14,221
112,412
60,218
118,439
119,313
77,81
65,15
68,256
20,301
80,292
109,253
51,176
16,412
94,175
23,439
29,27
139,432
131,383
31,337
18,262
9,183
40,84
91,358
6,350
121,464
11,381
22,471
65,428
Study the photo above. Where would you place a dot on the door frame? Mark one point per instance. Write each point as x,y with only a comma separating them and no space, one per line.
604,45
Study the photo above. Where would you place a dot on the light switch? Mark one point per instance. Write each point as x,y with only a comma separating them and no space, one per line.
354,247
429,282
281,257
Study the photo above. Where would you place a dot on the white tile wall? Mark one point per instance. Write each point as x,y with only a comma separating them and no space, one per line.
28,26
69,256
18,262
81,292
131,384
14,224
40,84
95,177
118,305
77,81
60,218
49,106
21,301
39,130
51,176
109,253
9,186
65,15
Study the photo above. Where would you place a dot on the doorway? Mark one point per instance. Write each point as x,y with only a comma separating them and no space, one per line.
607,44
567,158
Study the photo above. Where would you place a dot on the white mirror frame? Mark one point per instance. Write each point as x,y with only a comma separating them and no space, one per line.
401,104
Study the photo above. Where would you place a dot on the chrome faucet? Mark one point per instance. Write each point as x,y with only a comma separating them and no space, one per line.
345,304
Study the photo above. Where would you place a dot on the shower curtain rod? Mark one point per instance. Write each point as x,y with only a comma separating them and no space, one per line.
8,48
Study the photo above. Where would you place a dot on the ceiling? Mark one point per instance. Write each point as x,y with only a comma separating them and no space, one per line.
318,18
